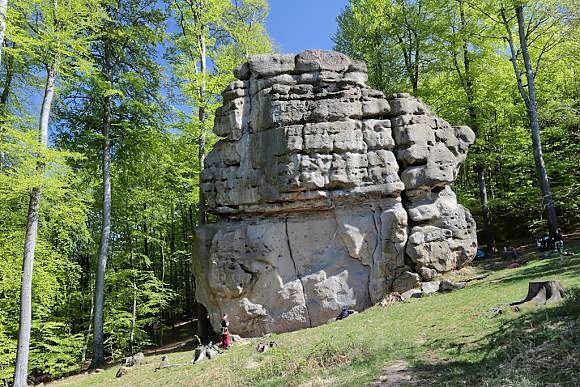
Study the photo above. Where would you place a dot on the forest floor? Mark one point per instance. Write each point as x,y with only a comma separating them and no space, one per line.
452,338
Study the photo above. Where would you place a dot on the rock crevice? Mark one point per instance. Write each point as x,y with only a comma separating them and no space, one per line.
330,193
298,275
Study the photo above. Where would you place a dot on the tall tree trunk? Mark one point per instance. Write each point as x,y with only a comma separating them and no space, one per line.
21,369
98,356
415,78
3,10
202,116
532,108
132,262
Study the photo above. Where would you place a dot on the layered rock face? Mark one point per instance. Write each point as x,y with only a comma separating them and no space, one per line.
330,195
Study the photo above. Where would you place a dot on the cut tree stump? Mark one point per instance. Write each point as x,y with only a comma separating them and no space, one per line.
541,293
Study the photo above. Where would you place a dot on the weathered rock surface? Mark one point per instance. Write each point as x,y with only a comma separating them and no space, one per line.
330,195
430,287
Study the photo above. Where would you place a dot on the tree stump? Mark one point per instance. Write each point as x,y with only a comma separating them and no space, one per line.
541,293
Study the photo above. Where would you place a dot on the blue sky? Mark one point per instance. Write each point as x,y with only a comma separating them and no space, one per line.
297,25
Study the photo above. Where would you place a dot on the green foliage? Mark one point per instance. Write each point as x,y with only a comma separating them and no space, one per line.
213,38
445,33
150,296
57,353
63,226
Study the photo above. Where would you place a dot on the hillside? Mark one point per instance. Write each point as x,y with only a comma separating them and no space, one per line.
450,338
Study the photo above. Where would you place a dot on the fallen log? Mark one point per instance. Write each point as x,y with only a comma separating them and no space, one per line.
542,293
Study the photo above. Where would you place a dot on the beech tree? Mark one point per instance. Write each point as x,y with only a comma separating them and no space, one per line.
397,38
59,37
526,31
131,31
464,39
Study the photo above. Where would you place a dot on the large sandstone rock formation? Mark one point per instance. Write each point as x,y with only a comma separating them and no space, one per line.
329,193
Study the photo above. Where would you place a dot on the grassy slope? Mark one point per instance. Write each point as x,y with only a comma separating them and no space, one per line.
446,338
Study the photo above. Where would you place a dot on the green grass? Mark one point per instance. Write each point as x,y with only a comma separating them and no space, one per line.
447,339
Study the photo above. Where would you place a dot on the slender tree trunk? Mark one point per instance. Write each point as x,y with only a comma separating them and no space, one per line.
3,10
532,108
134,275
89,329
202,116
99,356
4,100
8,81
162,287
21,370
416,67
468,78
134,311
145,238
487,230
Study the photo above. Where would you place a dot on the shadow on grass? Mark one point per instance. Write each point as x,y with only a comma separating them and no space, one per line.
548,267
185,345
540,346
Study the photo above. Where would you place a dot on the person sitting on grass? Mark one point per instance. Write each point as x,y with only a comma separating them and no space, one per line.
226,338
344,313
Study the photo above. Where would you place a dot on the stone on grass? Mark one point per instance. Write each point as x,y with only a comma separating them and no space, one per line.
413,293
164,362
430,287
121,371
447,286
406,281
135,360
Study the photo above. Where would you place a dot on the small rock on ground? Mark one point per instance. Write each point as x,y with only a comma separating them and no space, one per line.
413,293
121,371
430,287
447,286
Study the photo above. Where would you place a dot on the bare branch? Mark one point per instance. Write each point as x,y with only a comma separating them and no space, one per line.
510,39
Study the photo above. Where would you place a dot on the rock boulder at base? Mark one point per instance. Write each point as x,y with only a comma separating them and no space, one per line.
329,194
430,287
